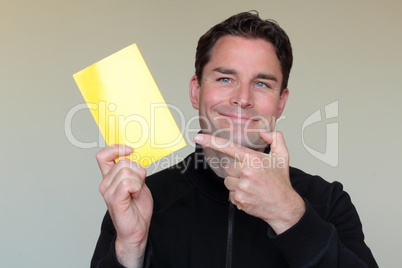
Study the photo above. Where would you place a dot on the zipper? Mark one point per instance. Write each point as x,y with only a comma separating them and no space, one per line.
229,247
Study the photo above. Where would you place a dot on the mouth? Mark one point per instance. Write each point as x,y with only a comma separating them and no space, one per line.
239,118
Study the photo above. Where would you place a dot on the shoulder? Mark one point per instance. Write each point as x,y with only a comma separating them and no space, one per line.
306,182
315,189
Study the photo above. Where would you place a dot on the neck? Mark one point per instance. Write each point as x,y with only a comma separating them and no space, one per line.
217,161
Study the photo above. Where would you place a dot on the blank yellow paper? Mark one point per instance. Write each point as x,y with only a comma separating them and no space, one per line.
128,106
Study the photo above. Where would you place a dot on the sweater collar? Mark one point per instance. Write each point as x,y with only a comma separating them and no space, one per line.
205,179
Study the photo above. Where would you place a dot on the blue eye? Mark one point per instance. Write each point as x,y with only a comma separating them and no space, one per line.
261,84
225,80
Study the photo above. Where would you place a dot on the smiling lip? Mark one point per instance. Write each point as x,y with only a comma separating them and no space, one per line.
239,118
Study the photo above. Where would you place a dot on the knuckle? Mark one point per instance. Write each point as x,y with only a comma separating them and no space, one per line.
107,196
142,172
102,187
126,172
132,184
99,155
279,134
278,137
238,197
248,173
226,183
126,182
126,169
137,184
244,185
137,168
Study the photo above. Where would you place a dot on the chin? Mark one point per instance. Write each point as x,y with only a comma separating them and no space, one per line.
250,140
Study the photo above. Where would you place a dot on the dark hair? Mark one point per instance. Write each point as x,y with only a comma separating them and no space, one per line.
247,25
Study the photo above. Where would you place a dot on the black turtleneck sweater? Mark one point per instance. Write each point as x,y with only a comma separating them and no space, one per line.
194,225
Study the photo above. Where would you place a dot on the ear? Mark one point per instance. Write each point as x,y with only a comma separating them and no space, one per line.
283,98
195,92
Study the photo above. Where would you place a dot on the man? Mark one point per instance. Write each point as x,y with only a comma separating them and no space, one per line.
235,202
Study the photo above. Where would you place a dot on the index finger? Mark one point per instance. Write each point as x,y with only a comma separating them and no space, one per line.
224,146
107,155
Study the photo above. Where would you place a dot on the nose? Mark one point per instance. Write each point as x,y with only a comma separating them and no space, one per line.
242,97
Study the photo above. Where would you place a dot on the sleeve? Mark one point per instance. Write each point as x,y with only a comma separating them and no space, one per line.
105,254
332,239
105,251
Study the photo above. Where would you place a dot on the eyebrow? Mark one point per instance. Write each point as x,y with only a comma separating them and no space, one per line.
267,77
234,72
225,71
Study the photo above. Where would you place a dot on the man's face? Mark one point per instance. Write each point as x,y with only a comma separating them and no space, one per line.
239,95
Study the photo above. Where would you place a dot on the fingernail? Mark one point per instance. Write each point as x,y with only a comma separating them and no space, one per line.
198,138
128,149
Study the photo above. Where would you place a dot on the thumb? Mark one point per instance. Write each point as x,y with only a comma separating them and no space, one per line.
276,141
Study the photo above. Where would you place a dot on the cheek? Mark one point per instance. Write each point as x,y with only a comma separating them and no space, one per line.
267,106
210,97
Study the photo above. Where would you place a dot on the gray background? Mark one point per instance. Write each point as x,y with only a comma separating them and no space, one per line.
345,51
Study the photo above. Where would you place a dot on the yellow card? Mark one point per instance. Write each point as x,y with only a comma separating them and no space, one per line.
128,106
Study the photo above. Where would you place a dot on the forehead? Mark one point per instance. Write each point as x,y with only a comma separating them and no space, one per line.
244,54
